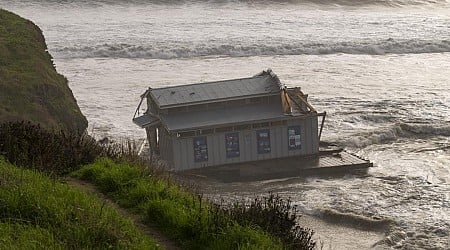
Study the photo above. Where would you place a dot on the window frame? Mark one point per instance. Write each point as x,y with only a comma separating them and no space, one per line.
263,143
292,137
200,148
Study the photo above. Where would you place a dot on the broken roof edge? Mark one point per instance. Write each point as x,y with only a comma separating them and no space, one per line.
262,74
270,72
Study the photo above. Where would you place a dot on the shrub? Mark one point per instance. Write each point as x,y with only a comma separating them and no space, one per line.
56,152
276,216
28,145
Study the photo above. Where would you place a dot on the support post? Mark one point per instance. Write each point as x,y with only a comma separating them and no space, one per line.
151,137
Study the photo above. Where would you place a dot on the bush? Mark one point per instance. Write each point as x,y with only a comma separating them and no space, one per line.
275,216
29,145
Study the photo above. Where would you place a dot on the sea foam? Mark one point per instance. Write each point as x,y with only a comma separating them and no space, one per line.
180,50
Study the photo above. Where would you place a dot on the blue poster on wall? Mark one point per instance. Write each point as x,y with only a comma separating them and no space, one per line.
263,141
200,149
232,145
294,139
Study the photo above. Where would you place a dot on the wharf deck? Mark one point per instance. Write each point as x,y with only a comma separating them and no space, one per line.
332,162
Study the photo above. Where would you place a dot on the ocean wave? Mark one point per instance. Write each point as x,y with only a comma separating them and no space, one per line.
391,3
395,132
354,220
389,46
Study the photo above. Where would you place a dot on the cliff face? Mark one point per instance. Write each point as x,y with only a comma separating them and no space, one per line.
30,87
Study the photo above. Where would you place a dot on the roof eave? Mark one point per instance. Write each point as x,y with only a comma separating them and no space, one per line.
285,117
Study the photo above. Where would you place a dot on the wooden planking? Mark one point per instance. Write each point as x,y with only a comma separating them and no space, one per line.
342,158
298,166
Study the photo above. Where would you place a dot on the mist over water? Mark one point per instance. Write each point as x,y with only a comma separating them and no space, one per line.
381,70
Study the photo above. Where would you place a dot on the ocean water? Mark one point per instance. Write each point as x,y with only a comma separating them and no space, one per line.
380,68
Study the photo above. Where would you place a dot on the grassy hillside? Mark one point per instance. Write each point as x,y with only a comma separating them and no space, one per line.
30,87
34,206
192,221
40,213
179,214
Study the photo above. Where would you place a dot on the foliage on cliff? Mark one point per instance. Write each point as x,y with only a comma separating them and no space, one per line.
30,87
29,145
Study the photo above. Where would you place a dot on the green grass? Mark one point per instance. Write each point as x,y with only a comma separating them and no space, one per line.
37,212
181,215
30,87
23,236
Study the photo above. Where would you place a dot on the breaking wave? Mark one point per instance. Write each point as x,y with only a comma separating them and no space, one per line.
389,46
392,3
353,220
395,132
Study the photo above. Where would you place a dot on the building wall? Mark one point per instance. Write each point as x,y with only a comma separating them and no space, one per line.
183,148
166,146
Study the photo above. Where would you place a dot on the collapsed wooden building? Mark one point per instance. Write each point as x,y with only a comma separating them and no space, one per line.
231,121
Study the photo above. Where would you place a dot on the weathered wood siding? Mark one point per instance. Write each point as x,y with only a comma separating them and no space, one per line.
183,148
166,146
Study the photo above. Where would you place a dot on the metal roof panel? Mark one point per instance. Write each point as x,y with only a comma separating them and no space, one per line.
145,120
219,90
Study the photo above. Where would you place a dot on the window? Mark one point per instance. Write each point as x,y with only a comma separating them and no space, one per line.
243,127
260,125
186,134
232,145
277,123
200,149
294,139
205,131
263,141
224,129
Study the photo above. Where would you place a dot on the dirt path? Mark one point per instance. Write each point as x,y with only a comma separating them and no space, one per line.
149,230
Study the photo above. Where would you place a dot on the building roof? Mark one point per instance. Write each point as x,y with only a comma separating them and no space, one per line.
145,120
223,117
265,83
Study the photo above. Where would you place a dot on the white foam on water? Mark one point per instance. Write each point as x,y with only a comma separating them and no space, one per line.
178,49
381,73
